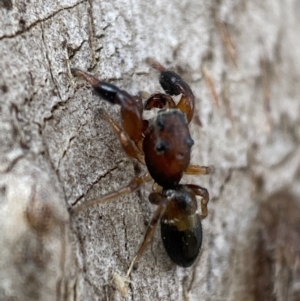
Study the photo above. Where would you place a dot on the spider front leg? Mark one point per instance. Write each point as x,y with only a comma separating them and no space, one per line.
173,84
131,107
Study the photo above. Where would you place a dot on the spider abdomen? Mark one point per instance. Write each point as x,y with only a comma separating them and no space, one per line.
182,245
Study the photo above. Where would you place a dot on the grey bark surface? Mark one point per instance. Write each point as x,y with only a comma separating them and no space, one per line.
56,152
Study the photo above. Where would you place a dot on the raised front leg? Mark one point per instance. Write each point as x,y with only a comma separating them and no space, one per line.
173,84
131,107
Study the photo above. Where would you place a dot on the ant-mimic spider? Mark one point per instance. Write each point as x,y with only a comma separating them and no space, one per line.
163,144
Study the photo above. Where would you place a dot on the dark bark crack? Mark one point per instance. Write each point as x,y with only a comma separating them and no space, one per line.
91,34
96,181
49,62
29,27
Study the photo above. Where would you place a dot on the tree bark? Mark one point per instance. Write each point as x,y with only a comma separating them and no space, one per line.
241,59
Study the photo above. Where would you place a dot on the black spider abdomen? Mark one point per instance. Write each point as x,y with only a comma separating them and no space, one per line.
182,246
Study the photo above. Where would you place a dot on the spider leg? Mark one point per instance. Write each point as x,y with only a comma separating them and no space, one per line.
201,191
131,106
199,170
132,186
161,202
128,145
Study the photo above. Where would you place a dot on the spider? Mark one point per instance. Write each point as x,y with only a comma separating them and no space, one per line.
163,144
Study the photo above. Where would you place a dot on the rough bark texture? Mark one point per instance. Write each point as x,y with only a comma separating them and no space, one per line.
56,152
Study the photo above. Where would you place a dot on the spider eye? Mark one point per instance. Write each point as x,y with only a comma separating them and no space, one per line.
190,142
160,146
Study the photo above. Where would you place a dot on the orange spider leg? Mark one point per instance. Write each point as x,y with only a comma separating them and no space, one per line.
199,170
132,186
201,191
